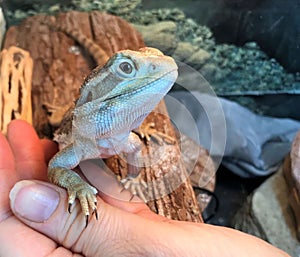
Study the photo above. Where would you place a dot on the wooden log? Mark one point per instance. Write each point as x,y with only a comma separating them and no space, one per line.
60,66
60,63
169,191
295,163
291,171
16,68
266,214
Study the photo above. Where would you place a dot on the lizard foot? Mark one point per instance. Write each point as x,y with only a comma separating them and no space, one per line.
86,195
135,186
147,131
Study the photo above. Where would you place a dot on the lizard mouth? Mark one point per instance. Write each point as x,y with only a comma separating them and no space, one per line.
169,76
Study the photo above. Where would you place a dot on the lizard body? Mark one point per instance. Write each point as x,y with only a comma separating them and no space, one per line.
114,100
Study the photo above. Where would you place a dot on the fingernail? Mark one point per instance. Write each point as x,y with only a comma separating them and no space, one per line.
33,201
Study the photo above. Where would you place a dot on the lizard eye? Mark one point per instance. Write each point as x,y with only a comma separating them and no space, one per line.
126,67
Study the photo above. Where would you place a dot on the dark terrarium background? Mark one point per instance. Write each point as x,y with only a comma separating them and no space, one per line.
273,24
268,83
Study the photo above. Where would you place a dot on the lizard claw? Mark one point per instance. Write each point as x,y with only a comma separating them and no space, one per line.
148,130
135,185
86,195
87,217
86,220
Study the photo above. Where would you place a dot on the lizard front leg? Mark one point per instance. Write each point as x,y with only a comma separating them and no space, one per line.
133,180
60,173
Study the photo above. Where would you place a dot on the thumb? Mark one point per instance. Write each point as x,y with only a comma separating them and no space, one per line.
43,207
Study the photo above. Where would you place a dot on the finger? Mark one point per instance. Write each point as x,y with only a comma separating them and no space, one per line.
43,206
140,209
27,150
7,176
6,155
17,239
50,148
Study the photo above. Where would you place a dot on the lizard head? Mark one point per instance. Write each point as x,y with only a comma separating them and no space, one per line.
141,77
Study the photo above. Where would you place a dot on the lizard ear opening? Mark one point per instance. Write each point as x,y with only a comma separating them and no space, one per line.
89,97
84,98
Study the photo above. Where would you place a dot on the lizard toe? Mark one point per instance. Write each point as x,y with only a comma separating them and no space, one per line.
136,186
86,195
71,199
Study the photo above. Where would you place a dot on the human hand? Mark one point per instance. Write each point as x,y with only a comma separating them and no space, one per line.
39,224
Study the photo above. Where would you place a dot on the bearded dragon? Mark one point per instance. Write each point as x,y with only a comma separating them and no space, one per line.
114,100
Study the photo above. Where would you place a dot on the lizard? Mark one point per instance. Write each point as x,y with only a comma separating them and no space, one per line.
114,100
99,56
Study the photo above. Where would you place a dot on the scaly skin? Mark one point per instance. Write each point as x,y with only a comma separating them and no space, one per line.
114,100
